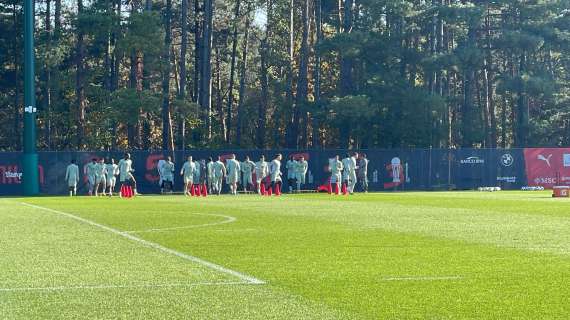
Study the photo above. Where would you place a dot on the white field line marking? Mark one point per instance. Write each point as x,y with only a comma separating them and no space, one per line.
213,266
422,278
140,286
228,219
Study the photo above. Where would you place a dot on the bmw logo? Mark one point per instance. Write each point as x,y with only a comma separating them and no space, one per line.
507,160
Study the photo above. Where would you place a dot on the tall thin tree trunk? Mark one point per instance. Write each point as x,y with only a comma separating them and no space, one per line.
303,79
206,68
489,79
16,53
80,81
47,77
197,52
219,94
228,122
132,128
522,129
183,48
317,74
166,118
115,65
182,89
467,112
242,79
265,50
290,136
346,63
262,111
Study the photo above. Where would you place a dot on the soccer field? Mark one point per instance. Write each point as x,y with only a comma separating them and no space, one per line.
458,255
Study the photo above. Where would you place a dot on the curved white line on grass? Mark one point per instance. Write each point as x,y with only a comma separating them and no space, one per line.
140,286
156,246
435,278
228,219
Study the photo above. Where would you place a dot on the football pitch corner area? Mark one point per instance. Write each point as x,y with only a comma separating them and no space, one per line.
59,265
440,255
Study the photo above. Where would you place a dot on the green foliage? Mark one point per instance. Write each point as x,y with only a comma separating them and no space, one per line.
405,73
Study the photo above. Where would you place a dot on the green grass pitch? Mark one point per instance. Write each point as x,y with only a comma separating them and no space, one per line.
457,255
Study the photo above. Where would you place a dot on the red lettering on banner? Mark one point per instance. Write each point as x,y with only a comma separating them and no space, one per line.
297,156
151,164
225,157
547,167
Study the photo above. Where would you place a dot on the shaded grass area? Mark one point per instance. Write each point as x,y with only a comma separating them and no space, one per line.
397,256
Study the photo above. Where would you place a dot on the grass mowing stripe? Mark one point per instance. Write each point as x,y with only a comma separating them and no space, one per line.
213,266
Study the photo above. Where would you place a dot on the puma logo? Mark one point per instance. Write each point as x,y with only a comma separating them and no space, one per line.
545,159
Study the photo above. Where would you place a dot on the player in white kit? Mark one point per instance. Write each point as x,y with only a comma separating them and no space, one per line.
275,172
301,168
261,172
112,173
72,178
233,171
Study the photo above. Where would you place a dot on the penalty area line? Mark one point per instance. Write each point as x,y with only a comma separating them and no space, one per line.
126,286
156,246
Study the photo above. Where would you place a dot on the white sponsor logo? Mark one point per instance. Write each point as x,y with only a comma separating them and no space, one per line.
545,159
507,160
545,180
473,160
10,174
507,179
566,159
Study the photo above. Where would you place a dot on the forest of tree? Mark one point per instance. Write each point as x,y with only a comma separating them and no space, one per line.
116,74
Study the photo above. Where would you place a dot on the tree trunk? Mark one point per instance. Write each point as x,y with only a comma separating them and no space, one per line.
290,136
522,129
242,79
183,48
182,89
303,81
317,74
262,111
16,52
219,94
467,112
197,52
489,79
166,120
346,63
47,78
80,81
265,48
228,122
206,68
116,59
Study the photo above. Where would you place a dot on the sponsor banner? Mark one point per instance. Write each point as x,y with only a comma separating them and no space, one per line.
510,170
398,169
547,167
